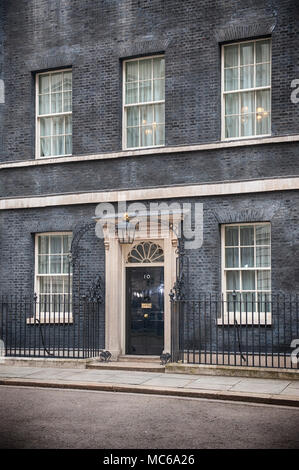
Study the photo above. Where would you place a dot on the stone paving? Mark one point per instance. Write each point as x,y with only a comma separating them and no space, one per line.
153,379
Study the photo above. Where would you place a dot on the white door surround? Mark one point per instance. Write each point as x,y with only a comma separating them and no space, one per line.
115,278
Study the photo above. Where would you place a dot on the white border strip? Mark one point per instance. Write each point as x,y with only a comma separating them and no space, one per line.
199,190
152,151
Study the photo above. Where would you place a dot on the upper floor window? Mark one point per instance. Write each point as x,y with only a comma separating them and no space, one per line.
246,89
54,113
144,102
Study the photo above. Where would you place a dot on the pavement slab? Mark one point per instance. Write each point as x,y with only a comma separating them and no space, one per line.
168,382
217,379
260,386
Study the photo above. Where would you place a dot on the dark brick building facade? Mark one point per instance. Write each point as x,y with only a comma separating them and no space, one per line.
249,180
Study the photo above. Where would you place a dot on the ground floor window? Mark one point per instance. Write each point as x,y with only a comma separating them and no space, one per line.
53,280
246,276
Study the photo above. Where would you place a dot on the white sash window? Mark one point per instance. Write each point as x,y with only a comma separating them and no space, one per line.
246,89
144,102
54,114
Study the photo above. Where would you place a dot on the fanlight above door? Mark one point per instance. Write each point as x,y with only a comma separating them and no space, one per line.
146,252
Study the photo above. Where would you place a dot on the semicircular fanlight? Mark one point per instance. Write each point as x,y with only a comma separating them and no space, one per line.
146,252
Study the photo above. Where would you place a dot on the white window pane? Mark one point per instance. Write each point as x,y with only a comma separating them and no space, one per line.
159,89
262,101
248,280
263,256
247,257
231,81
44,84
159,67
55,244
67,241
262,51
159,134
43,244
232,126
231,56
145,69
133,116
263,234
67,287
247,53
58,125
146,136
56,103
231,236
247,102
263,280
248,302
262,112
56,83
58,146
145,91
57,285
132,137
44,104
246,76
67,81
68,124
68,144
263,123
232,103
159,113
263,75
65,262
146,115
45,146
231,257
233,280
67,101
247,235
131,93
45,127
233,303
55,264
44,285
43,264
247,125
132,71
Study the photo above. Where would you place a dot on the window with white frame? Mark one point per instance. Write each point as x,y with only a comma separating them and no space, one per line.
144,102
246,259
53,280
54,113
246,89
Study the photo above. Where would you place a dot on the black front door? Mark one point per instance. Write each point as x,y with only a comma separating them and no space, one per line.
145,310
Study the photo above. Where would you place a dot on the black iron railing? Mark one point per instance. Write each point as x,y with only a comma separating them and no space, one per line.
240,332
59,328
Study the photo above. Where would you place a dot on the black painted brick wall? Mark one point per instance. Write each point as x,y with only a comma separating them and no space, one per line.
254,162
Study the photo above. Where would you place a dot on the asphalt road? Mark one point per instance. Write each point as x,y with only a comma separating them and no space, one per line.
43,418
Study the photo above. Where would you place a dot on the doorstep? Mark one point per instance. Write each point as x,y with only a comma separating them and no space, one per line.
232,371
127,365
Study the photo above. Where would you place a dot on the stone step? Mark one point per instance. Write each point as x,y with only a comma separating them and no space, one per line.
134,358
131,366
